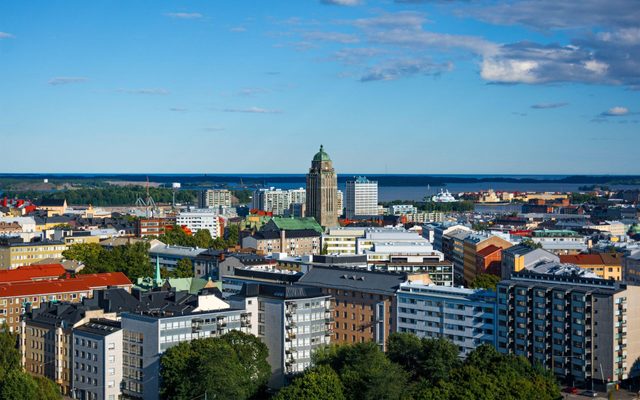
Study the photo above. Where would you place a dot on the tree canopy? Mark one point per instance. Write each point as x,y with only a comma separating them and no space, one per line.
131,259
419,369
232,366
14,382
178,237
318,383
485,281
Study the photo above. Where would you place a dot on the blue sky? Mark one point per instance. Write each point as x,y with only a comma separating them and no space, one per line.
404,86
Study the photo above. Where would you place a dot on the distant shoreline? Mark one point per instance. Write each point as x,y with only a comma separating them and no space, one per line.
385,180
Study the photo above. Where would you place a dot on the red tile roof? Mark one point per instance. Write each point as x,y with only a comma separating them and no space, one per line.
582,259
32,273
80,283
488,250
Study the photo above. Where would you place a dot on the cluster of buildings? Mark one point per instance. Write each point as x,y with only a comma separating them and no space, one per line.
309,270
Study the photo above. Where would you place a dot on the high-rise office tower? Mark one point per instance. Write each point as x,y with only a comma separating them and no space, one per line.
362,197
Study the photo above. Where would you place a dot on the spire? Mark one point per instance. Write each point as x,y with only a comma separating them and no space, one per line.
158,278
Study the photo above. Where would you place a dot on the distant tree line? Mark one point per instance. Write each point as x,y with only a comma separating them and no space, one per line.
110,195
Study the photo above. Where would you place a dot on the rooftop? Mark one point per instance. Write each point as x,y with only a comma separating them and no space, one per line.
489,250
100,326
77,284
321,155
32,273
355,280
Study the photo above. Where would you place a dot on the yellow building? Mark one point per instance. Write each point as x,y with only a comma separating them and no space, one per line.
77,239
606,266
14,254
53,206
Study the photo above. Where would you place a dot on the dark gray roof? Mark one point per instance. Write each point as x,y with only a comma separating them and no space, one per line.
100,326
51,203
285,292
350,279
266,235
64,315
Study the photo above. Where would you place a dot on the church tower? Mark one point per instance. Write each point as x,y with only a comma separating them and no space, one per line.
322,190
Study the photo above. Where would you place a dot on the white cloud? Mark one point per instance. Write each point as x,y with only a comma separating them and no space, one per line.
184,15
5,35
616,112
238,29
342,2
149,91
396,69
252,110
65,80
558,14
178,109
401,19
544,106
337,37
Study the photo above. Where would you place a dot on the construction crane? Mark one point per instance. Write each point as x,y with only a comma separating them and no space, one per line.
148,203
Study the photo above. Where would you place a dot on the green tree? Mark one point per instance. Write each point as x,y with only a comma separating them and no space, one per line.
252,354
233,235
405,349
202,239
365,372
530,244
90,254
194,368
184,269
47,389
18,385
438,358
176,236
131,259
485,281
9,353
14,382
318,383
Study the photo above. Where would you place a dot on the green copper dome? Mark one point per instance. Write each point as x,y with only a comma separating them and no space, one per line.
321,155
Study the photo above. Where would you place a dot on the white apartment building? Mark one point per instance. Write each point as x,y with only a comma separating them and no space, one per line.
199,219
272,200
97,360
467,317
298,196
147,335
362,197
293,321
401,209
214,198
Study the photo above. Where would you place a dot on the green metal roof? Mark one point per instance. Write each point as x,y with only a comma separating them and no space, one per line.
321,155
290,224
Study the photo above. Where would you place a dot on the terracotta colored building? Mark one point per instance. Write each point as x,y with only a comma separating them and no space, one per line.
17,296
488,260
